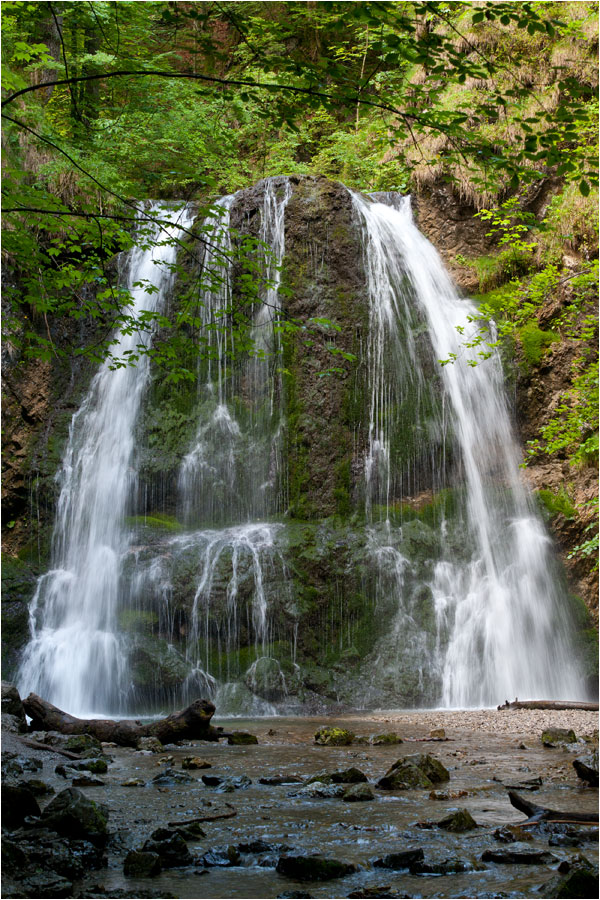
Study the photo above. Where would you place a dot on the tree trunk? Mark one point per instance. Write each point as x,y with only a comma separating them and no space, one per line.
543,814
549,704
190,723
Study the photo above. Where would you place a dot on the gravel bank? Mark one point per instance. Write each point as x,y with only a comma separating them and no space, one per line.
525,723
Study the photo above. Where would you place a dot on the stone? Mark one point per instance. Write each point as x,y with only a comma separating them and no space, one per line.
17,804
418,771
17,765
451,866
171,776
458,821
587,768
10,704
81,743
37,787
438,734
172,850
227,783
133,782
221,857
552,737
343,776
87,781
280,779
313,868
150,743
265,679
294,895
141,864
576,884
511,834
447,795
98,766
240,738
333,737
256,847
195,762
318,790
403,859
518,854
390,737
71,813
45,885
358,793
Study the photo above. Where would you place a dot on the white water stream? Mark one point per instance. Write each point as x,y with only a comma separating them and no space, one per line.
502,627
75,658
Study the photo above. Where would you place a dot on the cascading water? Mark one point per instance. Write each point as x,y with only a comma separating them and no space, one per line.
75,657
440,555
501,625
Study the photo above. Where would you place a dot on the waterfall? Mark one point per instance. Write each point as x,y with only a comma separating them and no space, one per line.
75,657
502,629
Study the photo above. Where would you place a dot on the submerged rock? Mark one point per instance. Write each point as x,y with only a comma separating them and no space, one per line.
221,857
171,776
587,768
342,776
171,848
319,790
451,866
141,864
241,738
333,737
357,793
518,854
418,771
280,779
227,783
390,737
195,762
313,868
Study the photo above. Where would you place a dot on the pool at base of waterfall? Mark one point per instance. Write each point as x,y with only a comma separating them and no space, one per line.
275,815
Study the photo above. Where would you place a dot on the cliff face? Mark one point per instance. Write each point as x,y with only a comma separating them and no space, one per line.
327,619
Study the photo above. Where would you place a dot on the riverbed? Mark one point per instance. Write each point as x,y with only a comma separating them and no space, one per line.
484,751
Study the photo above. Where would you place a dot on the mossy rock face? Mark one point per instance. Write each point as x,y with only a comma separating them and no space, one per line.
333,737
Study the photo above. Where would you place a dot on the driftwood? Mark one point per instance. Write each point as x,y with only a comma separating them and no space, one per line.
191,723
537,814
549,704
37,746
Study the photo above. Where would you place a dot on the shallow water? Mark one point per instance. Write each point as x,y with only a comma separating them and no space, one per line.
351,832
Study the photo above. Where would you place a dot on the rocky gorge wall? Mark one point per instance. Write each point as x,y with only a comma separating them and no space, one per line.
324,631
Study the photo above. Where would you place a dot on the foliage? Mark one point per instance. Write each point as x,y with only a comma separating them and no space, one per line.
557,502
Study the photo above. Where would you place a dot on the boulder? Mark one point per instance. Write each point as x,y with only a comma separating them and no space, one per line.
17,804
227,783
417,771
518,854
221,857
358,793
333,737
240,738
171,776
195,762
447,795
37,787
313,868
402,859
342,776
141,864
151,743
10,704
553,737
280,779
265,679
83,743
451,866
587,768
458,821
319,790
171,848
390,737
72,814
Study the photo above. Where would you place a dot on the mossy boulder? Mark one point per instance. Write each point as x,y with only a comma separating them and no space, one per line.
241,738
72,814
359,793
141,864
553,737
329,736
418,771
458,821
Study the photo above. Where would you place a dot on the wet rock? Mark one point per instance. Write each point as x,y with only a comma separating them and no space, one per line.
378,893
389,737
403,859
294,895
260,846
46,884
45,850
241,738
553,737
195,762
447,795
133,782
150,743
451,866
587,768
458,821
87,781
313,868
141,864
172,850
318,790
98,766
221,857
226,784
10,704
265,679
333,737
357,793
171,776
511,834
518,854
343,776
581,881
418,771
437,734
280,779
529,784
83,743
17,804
71,813
11,723
37,787
18,765
191,832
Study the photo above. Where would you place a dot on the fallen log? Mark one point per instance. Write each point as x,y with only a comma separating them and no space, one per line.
537,814
193,722
549,704
35,745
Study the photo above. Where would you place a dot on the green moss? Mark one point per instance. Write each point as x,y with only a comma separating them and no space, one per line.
156,520
142,620
557,502
535,341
